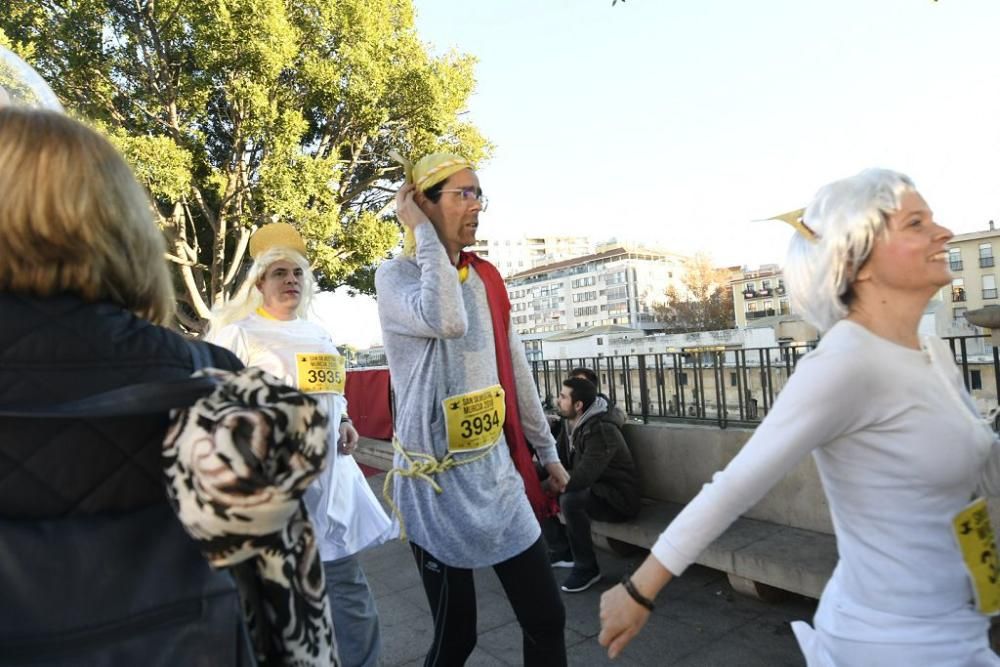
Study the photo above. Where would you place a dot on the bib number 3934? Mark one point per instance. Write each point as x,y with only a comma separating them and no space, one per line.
474,420
320,373
979,551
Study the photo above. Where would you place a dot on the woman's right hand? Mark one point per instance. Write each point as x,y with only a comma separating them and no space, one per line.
407,210
622,617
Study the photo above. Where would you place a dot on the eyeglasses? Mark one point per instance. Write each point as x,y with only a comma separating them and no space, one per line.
470,195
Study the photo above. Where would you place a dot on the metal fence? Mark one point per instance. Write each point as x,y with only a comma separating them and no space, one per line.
728,386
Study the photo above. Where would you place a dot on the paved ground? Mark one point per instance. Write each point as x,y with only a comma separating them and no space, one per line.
699,620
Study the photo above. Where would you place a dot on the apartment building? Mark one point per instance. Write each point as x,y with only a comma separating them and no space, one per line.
617,286
759,293
974,285
512,256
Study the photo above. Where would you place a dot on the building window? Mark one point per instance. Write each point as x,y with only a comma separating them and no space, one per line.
958,314
989,286
955,259
683,379
600,341
976,379
732,380
958,289
985,255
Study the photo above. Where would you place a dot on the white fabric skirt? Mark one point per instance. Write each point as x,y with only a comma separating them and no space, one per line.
823,650
850,634
356,519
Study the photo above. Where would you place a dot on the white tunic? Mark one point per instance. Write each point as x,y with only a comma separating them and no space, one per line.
900,450
344,511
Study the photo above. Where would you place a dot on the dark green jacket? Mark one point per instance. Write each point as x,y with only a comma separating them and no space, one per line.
600,459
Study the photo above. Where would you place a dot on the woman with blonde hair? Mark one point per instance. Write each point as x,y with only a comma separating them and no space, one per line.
96,566
265,324
898,443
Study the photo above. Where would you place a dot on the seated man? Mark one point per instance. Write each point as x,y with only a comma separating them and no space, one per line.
602,485
589,374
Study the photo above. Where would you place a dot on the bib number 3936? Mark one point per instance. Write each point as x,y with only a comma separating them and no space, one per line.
320,373
474,420
979,551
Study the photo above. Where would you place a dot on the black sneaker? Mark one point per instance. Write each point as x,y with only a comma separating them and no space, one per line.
561,559
579,581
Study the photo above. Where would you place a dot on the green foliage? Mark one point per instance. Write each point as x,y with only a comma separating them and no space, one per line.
704,304
236,113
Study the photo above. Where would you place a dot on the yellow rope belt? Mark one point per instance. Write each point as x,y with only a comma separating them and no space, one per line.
422,466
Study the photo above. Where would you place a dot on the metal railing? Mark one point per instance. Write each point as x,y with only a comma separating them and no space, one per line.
725,387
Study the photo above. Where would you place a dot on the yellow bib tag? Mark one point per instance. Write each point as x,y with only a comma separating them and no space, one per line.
975,540
320,373
474,420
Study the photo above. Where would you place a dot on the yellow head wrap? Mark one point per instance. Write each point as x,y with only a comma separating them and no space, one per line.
426,173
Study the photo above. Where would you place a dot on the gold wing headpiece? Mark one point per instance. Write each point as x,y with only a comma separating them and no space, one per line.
794,218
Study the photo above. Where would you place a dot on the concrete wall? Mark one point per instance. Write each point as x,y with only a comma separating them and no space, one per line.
675,460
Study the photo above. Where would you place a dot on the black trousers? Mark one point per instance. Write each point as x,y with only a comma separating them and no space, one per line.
578,508
531,589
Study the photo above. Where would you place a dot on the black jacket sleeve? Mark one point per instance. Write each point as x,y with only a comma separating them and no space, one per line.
599,444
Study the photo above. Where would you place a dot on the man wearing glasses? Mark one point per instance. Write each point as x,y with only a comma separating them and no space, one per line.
464,486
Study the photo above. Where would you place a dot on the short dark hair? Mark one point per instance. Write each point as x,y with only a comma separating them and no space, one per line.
581,390
434,192
585,372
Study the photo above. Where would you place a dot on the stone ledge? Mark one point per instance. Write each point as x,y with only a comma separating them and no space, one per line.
792,559
374,453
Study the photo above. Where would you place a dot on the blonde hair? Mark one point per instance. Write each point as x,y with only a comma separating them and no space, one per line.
847,216
74,219
248,298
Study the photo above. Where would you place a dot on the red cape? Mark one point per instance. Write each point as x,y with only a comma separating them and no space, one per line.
496,296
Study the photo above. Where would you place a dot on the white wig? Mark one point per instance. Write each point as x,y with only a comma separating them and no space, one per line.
846,216
248,298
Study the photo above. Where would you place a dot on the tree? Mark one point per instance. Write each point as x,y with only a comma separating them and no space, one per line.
705,302
235,113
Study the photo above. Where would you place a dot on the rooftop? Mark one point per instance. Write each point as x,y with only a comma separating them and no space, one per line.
602,330
616,251
975,236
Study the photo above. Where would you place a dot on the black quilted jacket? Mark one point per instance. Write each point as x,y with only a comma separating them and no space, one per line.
94,566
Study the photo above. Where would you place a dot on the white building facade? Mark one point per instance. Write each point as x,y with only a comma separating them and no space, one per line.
512,256
618,286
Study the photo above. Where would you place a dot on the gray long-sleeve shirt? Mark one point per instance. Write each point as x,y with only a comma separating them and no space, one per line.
439,342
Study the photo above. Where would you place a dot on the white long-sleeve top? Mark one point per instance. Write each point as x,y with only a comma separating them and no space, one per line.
900,450
344,511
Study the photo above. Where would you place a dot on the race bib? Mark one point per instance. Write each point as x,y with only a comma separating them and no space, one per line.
975,540
320,373
474,420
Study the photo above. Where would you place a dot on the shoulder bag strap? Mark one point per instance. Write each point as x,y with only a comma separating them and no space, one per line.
135,399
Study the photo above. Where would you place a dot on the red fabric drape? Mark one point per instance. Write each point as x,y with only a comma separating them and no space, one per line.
496,296
368,402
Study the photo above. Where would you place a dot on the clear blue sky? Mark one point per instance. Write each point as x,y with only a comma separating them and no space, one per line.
680,122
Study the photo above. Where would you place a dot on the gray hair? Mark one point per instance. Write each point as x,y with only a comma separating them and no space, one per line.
847,217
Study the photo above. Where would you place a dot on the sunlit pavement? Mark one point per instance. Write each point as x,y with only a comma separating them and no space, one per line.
699,620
